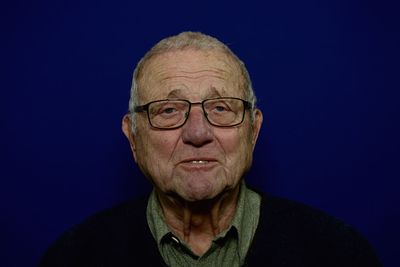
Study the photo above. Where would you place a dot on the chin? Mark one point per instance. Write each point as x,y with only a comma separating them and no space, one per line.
195,197
199,191
203,192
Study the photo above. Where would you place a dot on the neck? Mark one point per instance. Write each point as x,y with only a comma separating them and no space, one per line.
197,223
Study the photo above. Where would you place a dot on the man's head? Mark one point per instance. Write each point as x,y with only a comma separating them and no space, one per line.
205,151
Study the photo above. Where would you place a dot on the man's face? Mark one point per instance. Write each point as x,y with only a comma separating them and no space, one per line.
197,161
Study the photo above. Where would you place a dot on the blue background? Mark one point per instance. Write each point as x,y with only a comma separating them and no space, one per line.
326,74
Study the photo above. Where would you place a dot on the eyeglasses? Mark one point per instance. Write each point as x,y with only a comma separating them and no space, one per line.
172,114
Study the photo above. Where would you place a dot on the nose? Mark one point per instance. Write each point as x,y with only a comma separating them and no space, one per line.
197,131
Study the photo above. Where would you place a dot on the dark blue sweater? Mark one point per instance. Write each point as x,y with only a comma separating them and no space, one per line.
289,234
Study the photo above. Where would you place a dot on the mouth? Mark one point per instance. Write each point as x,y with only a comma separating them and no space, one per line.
198,163
198,160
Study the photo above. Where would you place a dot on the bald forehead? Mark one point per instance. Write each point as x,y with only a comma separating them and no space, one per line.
189,65
226,60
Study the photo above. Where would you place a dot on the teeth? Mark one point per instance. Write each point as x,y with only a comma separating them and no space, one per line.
199,161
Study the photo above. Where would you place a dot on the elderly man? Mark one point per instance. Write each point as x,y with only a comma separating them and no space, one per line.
192,127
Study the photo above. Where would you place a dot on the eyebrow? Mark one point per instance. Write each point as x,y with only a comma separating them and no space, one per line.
212,92
174,93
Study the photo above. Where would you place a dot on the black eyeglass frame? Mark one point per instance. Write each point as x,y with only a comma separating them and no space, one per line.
246,105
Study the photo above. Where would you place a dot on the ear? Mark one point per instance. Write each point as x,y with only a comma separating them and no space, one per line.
258,119
127,129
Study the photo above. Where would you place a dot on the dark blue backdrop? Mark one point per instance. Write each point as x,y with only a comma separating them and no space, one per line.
326,74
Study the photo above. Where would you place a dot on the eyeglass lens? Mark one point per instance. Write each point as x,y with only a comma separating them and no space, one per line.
173,113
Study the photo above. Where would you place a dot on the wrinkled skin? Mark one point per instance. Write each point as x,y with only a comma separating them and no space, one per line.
196,169
166,157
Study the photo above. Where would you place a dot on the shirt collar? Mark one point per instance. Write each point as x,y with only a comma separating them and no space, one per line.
244,221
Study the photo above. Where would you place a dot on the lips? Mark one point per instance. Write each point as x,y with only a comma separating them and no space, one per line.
198,160
198,163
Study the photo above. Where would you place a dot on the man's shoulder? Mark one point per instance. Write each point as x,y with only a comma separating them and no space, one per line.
295,212
295,232
123,217
116,235
303,221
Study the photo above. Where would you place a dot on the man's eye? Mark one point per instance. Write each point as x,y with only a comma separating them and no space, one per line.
221,108
168,110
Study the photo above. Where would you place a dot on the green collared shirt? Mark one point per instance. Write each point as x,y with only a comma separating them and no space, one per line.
229,248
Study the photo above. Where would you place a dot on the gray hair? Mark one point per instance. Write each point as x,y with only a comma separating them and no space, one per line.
182,41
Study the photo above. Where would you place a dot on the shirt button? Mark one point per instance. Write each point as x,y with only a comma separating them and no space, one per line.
175,239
